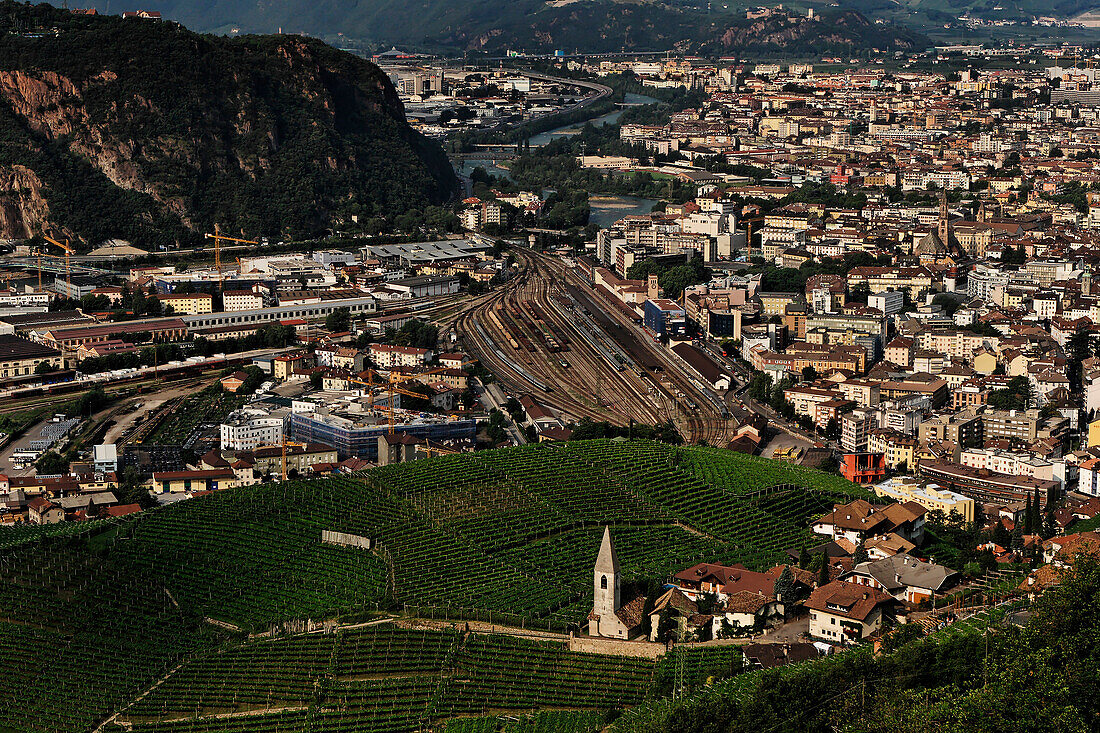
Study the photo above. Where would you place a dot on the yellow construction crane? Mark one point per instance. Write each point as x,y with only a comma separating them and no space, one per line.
748,233
218,238
391,389
429,449
285,444
391,386
68,251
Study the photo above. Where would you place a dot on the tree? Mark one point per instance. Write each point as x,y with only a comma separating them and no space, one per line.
339,320
860,555
132,490
809,374
1016,396
823,575
947,301
803,558
44,367
51,463
760,387
252,382
784,588
91,401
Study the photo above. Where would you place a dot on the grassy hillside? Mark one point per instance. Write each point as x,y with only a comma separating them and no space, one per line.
89,620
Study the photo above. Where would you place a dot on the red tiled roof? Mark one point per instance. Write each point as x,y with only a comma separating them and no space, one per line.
849,600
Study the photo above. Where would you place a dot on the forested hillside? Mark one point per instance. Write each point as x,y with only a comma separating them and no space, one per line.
495,26
103,136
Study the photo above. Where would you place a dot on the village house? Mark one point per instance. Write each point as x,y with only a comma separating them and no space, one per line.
846,613
904,577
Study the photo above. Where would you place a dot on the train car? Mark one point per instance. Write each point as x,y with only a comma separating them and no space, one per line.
514,343
559,334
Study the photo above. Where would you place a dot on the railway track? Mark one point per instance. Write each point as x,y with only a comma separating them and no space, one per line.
531,335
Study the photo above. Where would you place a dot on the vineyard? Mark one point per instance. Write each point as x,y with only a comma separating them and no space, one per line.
91,616
389,678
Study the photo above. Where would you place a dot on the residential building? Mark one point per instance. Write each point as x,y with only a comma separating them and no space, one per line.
251,428
904,577
929,495
846,613
387,355
241,300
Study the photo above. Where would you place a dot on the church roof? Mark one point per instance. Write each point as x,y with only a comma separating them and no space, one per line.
607,561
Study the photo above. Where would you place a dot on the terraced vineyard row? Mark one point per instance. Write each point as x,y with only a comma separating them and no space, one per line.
360,677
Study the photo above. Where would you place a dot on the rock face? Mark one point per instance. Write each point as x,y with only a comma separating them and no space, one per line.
23,208
147,132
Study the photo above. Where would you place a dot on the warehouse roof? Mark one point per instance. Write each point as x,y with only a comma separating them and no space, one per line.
14,347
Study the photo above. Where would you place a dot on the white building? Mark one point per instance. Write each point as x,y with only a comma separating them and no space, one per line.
888,301
387,355
241,300
334,258
1007,462
105,458
249,429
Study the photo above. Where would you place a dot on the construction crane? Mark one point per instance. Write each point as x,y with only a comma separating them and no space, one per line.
748,236
392,387
285,444
429,449
218,238
68,272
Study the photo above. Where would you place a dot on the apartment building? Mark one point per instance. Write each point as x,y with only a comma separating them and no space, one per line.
387,355
899,449
914,279
241,300
962,429
932,497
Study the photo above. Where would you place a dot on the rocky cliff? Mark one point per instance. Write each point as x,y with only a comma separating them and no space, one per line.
146,131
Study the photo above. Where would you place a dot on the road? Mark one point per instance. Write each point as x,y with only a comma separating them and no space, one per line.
600,92
738,396
494,401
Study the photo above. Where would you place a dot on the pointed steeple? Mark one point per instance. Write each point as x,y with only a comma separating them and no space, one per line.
607,561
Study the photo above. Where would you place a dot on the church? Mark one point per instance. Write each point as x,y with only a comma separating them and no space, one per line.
610,616
941,242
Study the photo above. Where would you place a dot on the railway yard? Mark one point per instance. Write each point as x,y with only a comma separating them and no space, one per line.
549,334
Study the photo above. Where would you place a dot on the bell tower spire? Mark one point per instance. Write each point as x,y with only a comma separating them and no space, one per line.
606,579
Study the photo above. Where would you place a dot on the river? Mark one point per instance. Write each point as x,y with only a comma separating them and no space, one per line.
606,210
608,119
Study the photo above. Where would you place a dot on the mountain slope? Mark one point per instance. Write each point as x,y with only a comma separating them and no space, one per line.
92,613
533,25
104,137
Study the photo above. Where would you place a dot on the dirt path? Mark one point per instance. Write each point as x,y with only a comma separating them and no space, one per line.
150,403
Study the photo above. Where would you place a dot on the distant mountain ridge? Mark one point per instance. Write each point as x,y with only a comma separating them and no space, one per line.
103,136
535,25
